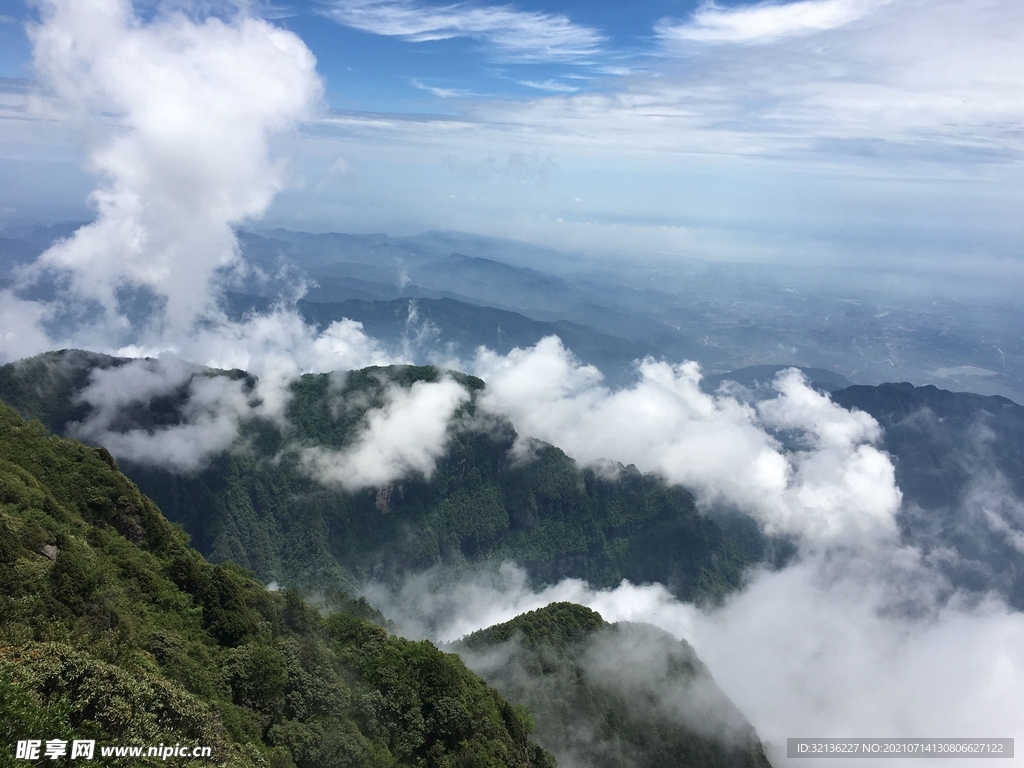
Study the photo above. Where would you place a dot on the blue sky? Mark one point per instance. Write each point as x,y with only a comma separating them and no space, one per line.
418,57
814,130
414,57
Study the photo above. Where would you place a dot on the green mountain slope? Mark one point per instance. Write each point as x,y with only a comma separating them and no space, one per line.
612,695
112,628
256,507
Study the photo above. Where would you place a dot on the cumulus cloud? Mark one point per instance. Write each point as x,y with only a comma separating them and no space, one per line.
513,34
835,484
209,406
405,436
179,112
278,346
275,347
766,22
189,107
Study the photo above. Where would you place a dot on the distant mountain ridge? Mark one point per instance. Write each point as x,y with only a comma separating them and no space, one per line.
376,268
725,316
449,328
446,328
763,375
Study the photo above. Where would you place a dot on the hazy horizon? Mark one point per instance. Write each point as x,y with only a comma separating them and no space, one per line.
824,131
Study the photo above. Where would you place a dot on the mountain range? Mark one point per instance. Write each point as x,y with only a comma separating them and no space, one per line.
726,316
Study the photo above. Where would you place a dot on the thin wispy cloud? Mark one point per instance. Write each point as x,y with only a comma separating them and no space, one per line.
512,34
552,86
614,71
933,80
441,93
766,22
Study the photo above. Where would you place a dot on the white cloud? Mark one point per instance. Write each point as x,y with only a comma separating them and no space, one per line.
992,496
906,118
406,436
812,651
938,81
193,104
441,93
766,22
837,486
180,112
276,347
21,334
514,35
940,74
857,635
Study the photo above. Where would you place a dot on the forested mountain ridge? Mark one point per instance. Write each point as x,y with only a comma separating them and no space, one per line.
112,628
256,507
959,460
612,695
